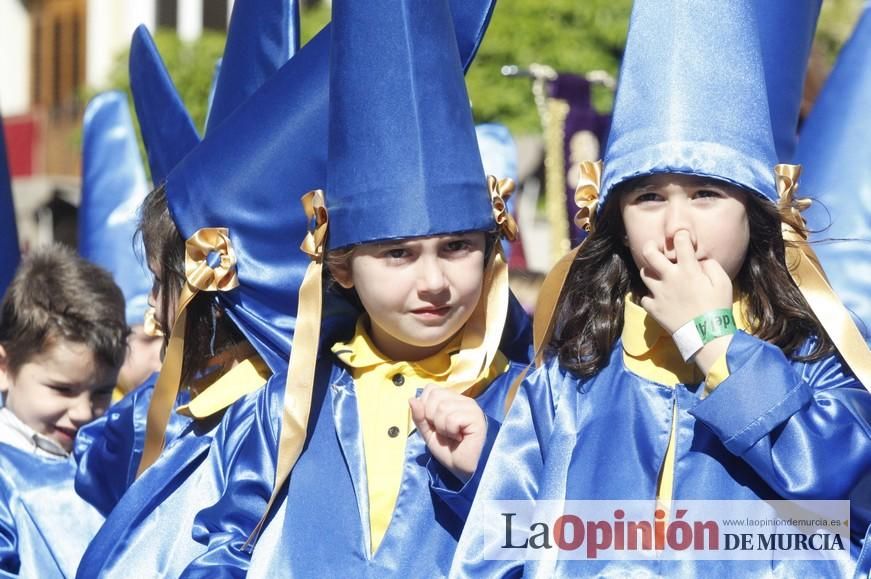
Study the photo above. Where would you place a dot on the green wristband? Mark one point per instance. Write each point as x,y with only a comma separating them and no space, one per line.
714,324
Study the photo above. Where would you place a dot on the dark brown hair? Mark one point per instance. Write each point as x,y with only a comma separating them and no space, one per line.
208,330
57,295
590,311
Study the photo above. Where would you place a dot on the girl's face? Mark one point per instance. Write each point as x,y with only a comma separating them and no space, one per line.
419,292
712,212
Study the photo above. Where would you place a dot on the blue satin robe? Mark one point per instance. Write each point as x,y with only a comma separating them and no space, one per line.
322,526
773,429
149,530
108,449
44,525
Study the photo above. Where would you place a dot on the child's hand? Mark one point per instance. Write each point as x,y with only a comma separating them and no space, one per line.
679,292
453,427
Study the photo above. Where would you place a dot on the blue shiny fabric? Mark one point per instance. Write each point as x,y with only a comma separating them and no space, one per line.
168,495
835,153
149,530
113,188
786,32
107,450
415,119
9,252
692,97
263,35
211,100
167,129
293,544
269,152
44,526
773,429
250,464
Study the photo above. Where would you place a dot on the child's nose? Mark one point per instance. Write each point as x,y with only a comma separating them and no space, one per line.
82,410
432,277
678,217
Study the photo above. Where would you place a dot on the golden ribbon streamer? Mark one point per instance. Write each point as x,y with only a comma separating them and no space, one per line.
199,276
805,269
587,199
483,332
303,353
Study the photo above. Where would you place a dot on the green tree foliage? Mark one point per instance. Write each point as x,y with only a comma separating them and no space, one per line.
191,67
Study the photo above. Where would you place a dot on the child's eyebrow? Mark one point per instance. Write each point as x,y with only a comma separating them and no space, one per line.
712,184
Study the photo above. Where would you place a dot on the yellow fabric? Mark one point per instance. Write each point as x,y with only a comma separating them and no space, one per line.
382,405
244,378
649,352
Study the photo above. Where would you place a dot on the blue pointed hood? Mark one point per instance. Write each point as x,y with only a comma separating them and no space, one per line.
167,129
835,153
262,36
685,104
250,171
9,251
404,159
786,32
113,188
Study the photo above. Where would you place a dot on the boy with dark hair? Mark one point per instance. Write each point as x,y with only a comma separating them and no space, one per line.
62,341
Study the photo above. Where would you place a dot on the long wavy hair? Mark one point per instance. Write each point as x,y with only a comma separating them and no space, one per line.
590,311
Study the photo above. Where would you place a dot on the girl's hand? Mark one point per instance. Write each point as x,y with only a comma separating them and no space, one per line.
679,292
453,427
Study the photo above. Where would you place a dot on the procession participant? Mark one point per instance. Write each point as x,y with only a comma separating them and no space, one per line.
690,332
63,338
374,421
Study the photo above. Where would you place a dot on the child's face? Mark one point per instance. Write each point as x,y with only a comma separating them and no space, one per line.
713,213
59,390
143,357
418,293
164,319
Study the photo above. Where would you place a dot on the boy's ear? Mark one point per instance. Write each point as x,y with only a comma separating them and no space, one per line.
342,273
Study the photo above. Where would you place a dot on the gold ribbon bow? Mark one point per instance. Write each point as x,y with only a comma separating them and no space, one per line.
805,269
315,208
199,276
587,195
500,191
151,326
303,353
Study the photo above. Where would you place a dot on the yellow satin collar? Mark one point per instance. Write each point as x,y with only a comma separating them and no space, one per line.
247,376
641,332
361,353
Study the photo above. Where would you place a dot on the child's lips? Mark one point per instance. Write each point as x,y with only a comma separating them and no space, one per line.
69,433
432,312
